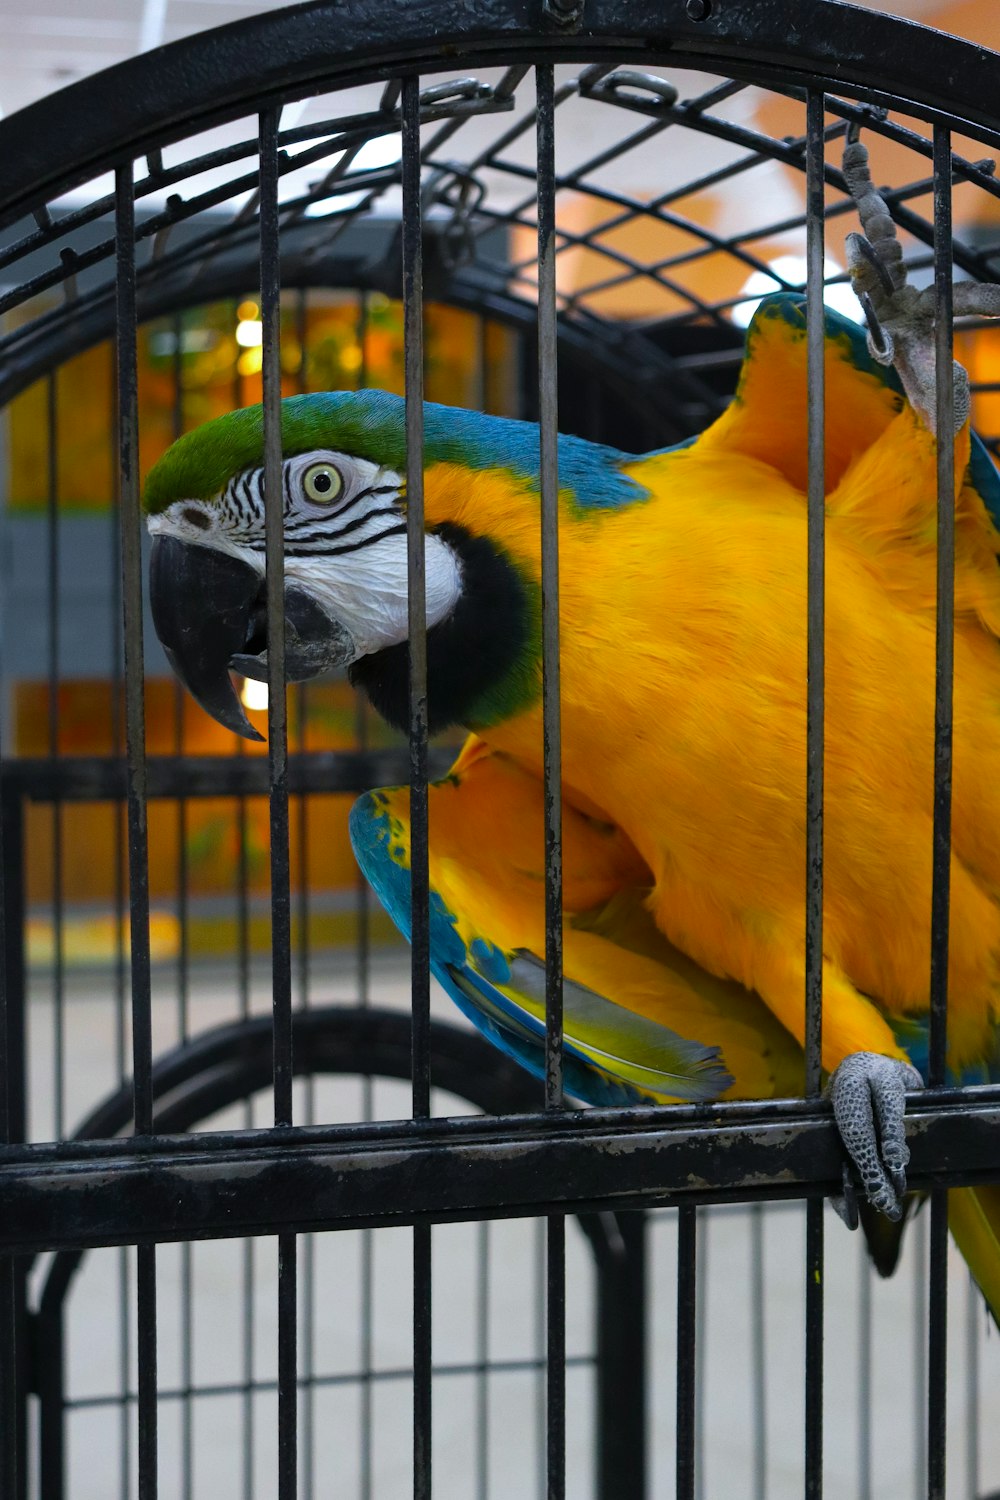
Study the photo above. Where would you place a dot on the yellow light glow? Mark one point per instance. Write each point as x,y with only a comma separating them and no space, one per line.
250,333
351,357
247,311
253,694
250,361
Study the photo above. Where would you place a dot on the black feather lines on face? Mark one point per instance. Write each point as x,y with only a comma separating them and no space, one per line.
469,654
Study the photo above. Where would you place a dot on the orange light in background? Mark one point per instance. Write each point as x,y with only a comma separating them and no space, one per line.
251,361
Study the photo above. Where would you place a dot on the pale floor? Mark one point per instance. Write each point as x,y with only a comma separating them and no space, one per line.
233,1325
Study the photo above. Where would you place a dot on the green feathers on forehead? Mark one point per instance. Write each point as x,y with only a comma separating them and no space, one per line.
371,425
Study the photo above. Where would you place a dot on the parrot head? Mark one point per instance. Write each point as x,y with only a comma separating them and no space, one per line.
345,556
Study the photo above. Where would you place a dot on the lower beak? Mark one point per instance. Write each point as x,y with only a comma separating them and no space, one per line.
209,613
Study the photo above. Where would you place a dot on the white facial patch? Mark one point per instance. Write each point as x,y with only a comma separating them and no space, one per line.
366,590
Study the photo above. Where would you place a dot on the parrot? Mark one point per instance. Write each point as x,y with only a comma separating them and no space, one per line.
683,592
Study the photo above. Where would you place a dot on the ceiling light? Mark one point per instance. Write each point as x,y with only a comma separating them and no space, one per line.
793,268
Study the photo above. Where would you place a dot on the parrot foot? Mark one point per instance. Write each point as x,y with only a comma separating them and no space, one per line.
868,1094
900,318
846,1205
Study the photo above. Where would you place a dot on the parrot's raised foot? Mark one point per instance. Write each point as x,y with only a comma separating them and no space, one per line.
868,1094
901,318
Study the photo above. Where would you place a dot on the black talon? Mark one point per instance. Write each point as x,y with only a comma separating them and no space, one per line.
846,1206
873,258
874,326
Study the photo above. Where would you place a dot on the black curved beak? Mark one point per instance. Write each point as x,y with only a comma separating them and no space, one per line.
202,601
209,613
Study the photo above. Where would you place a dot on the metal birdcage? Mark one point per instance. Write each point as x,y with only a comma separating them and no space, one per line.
602,196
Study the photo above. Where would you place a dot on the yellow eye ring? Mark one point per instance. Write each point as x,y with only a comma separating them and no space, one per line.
322,484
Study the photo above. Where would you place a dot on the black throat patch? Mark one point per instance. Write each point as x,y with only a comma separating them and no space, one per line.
482,661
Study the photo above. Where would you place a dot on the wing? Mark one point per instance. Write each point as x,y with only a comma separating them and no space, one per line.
641,1021
881,464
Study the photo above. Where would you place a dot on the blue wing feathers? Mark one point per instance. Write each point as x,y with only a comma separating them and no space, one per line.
669,1065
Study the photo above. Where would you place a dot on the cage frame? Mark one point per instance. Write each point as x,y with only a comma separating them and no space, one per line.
153,1188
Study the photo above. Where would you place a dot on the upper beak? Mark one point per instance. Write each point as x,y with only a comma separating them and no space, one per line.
209,613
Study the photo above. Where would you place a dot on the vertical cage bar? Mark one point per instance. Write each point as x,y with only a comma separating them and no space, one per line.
9,1457
180,699
121,1067
937,1347
483,1363
937,1322
308,1359
413,312
701,1345
13,976
277,724
621,1355
413,315
815,711
183,985
687,1348
248,1258
363,909
539,1244
10,1433
919,1238
281,940
52,601
135,727
945,384
555,1358
9,1425
362,889
247,1261
815,664
973,1313
13,1123
135,740
814,1350
548,410
864,1373
551,716
758,1346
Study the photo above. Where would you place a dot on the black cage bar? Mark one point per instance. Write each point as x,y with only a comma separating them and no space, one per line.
604,198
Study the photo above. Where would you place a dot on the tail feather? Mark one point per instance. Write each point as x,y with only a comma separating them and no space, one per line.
884,1236
974,1220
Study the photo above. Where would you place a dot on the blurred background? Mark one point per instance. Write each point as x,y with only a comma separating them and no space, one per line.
689,279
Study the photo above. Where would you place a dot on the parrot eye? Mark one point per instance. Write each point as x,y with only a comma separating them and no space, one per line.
322,483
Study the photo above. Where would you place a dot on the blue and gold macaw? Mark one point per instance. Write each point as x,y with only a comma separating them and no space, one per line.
683,625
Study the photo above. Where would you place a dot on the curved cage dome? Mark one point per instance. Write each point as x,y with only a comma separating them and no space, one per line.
680,173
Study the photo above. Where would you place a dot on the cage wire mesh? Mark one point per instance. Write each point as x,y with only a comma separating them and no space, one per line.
379,228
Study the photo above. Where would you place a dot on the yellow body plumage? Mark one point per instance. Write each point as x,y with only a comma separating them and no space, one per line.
683,645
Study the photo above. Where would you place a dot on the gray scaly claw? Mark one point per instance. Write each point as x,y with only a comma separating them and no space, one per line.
868,1094
846,1206
900,318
